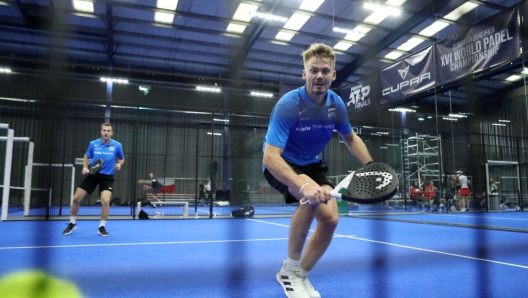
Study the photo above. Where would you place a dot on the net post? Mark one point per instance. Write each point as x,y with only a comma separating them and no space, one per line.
28,177
72,187
186,209
7,172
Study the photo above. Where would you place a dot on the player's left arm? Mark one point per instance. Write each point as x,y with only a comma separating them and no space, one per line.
357,147
120,158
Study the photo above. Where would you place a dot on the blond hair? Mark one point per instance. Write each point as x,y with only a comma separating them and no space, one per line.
107,124
319,50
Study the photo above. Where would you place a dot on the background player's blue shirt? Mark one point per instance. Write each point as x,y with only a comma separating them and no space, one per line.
109,153
302,128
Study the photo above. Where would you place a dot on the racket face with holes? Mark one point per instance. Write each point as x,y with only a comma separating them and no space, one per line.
374,183
96,167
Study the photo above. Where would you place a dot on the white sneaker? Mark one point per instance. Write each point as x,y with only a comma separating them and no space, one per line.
310,290
292,283
463,210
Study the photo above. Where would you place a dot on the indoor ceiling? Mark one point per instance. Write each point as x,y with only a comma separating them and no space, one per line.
242,40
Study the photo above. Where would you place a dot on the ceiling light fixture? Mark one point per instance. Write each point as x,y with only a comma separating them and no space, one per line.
268,16
401,110
457,116
5,70
450,119
114,80
382,8
84,6
506,121
208,89
348,31
498,124
261,94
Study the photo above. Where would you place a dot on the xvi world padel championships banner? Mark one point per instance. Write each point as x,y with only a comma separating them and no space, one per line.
408,76
491,42
361,95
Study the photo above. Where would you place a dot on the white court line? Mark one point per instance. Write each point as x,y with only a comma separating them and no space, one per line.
142,243
411,247
480,218
438,252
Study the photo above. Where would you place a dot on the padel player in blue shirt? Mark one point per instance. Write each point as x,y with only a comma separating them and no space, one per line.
111,152
301,125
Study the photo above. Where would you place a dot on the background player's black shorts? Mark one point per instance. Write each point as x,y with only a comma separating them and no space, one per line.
316,171
105,182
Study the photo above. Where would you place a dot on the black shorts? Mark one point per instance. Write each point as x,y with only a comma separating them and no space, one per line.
316,171
105,182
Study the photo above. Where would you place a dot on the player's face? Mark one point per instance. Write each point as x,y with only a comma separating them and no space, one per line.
106,132
319,75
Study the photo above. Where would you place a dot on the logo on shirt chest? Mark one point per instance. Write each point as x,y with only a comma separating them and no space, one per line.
112,148
331,110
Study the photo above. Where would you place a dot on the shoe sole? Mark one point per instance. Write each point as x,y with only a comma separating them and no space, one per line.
66,234
102,234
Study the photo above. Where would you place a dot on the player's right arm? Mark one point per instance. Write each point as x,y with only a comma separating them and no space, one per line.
278,167
85,169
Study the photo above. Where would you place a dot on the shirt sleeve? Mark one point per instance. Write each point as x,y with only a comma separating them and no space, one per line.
119,152
281,122
89,151
342,122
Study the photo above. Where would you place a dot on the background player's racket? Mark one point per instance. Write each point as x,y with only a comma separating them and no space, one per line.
96,167
145,187
371,184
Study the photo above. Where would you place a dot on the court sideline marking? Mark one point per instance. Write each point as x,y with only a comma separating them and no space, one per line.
412,247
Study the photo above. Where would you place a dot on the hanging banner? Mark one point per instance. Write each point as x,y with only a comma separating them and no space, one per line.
493,41
361,94
408,76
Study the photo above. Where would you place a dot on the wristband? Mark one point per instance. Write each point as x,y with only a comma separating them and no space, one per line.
300,190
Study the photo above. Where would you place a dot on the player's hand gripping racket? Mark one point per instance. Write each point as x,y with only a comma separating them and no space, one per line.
373,183
96,167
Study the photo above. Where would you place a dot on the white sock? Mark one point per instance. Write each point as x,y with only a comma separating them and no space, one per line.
304,273
73,219
103,223
293,264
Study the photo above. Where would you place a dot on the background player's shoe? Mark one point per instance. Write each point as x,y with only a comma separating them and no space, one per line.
102,231
69,229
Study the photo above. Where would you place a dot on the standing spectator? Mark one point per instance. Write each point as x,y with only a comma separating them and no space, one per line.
463,193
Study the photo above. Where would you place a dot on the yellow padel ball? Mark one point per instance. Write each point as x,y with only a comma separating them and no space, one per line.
36,284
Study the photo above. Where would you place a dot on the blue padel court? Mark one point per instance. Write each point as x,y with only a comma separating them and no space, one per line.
384,256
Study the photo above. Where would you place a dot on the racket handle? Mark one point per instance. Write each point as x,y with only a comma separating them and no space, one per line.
337,195
334,195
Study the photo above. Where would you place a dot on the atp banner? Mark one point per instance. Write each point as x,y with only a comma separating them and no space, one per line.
493,41
361,94
408,76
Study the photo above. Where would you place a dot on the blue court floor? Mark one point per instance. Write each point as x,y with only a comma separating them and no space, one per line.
240,257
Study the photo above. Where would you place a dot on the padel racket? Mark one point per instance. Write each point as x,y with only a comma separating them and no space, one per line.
371,184
145,187
96,166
